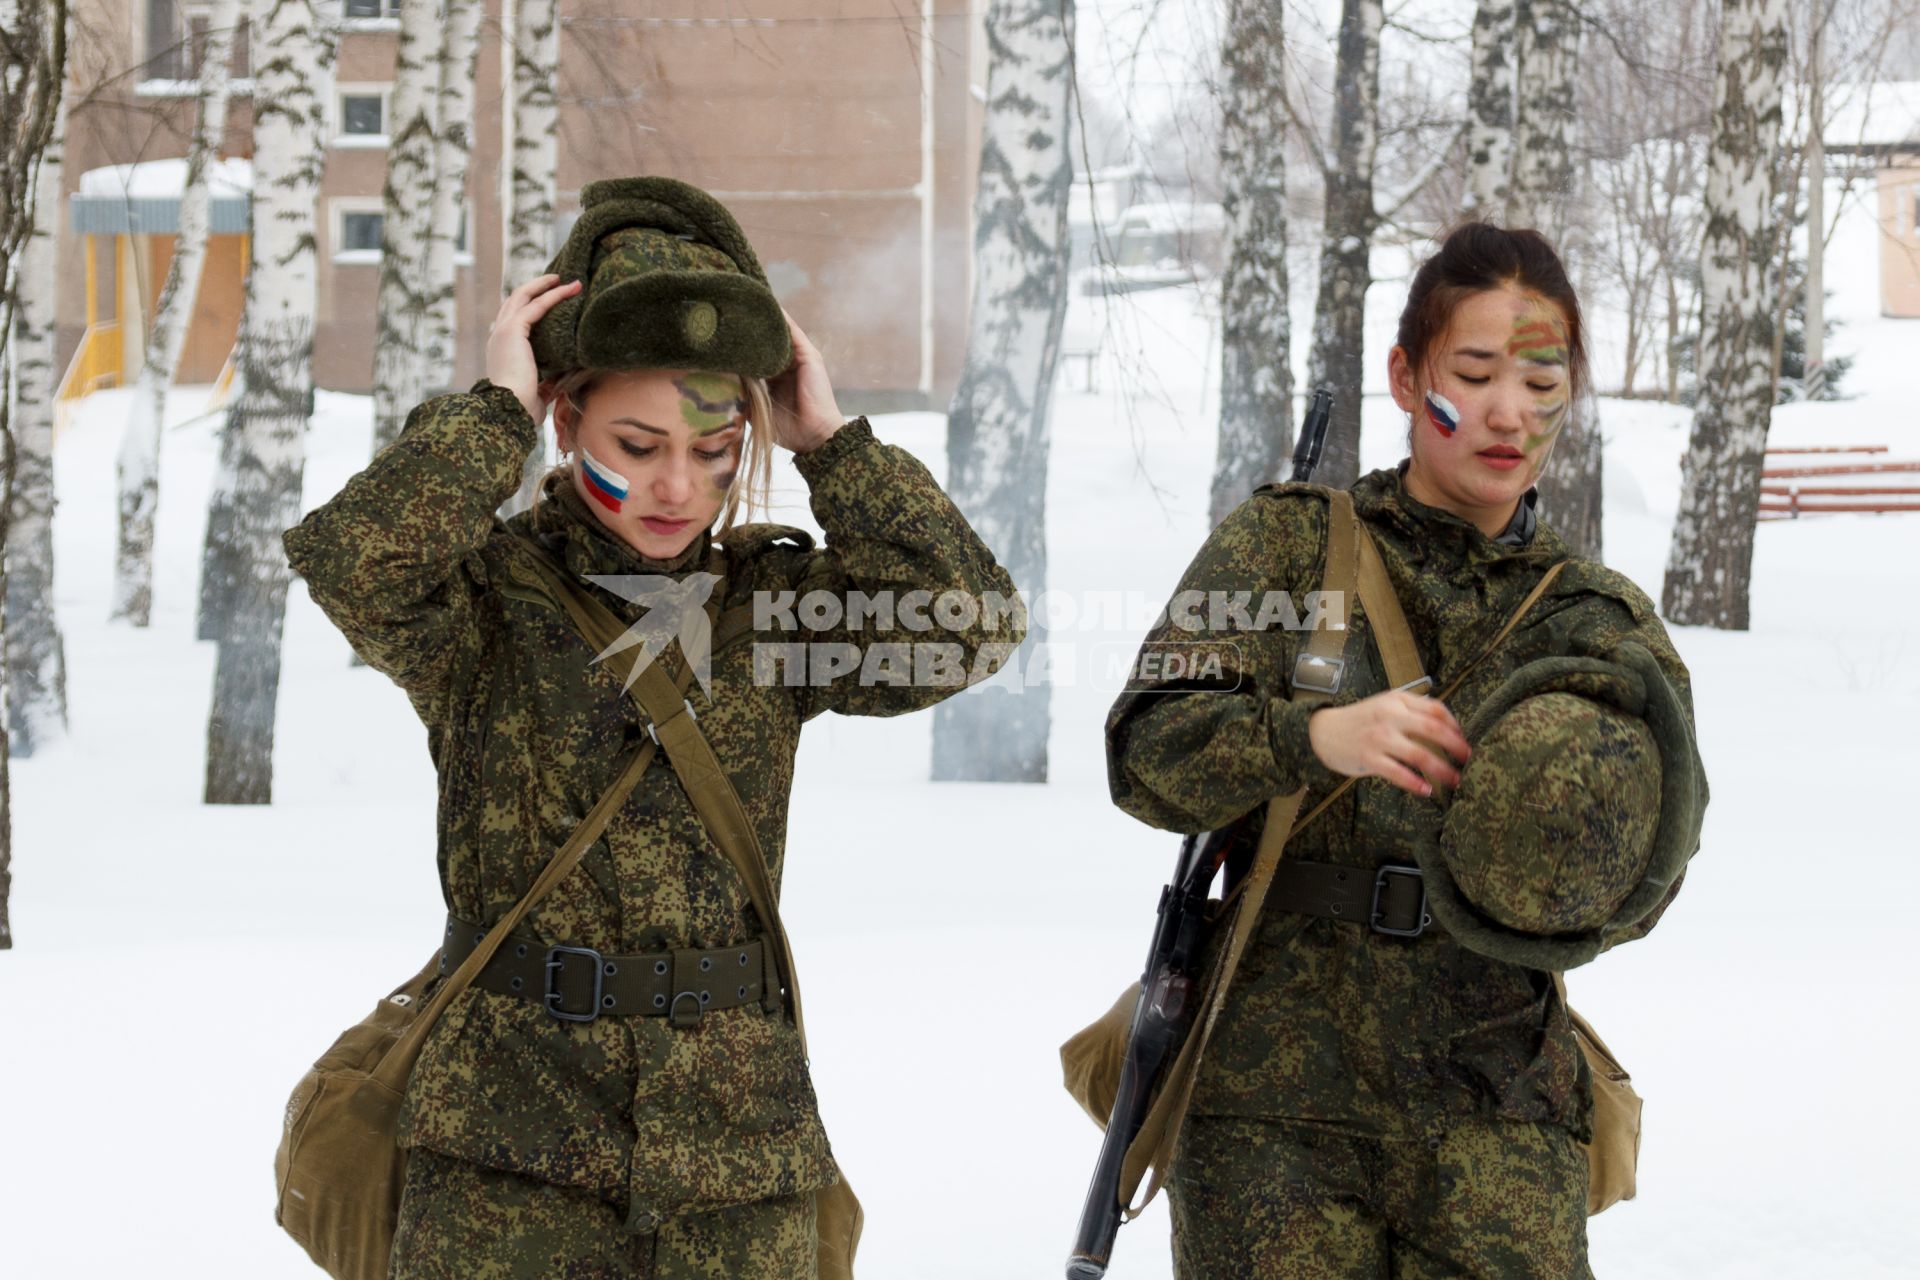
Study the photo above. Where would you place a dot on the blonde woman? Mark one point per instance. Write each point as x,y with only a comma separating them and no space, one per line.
546,1138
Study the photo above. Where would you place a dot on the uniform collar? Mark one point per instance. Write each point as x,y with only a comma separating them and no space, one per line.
1381,497
565,526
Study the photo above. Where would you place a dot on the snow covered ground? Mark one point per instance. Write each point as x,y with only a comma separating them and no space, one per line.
177,967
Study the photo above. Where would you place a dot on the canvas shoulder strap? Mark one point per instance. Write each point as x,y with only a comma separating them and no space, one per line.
1153,1147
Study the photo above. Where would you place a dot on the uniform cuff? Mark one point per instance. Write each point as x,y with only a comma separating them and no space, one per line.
1293,749
508,410
855,434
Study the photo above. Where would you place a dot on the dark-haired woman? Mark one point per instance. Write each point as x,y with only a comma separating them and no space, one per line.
1372,1103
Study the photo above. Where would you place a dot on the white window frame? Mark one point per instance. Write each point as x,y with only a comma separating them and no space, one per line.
340,206
345,141
391,22
237,86
337,210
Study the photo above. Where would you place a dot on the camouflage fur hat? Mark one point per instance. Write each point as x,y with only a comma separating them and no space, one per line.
1576,813
671,283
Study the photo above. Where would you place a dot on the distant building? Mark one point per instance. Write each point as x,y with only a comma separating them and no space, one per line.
842,133
1880,123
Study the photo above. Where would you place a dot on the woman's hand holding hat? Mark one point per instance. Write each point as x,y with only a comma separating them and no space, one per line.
1394,735
510,361
805,412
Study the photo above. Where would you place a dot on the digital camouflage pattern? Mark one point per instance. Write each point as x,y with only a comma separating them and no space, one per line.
463,1221
1392,1037
1277,1200
526,733
629,252
1552,825
671,283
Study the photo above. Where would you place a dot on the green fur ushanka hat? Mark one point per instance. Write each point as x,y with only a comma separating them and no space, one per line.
671,283
1575,814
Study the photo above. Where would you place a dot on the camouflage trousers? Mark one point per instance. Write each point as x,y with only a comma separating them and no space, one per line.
1293,1200
463,1221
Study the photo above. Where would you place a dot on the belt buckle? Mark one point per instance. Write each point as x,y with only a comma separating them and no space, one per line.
551,986
1379,887
1316,674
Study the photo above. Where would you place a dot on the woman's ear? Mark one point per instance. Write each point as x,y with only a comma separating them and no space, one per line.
1400,379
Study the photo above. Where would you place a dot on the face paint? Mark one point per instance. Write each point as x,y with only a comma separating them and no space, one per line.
1552,416
1442,413
605,485
710,401
1539,336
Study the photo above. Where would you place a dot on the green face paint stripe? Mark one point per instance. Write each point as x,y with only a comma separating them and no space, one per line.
710,402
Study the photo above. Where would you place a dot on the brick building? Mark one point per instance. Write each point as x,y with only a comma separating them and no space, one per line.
842,133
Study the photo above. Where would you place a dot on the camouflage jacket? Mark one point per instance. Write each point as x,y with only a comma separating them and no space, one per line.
526,732
1327,1020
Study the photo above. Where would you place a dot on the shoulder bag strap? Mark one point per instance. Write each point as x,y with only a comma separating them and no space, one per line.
397,1065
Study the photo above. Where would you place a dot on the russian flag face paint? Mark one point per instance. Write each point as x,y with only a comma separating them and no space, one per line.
607,486
1442,413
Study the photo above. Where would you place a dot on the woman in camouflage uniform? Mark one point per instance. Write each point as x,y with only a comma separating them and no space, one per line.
628,1144
1409,1103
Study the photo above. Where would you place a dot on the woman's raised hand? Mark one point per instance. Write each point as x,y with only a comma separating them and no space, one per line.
510,362
1393,735
804,410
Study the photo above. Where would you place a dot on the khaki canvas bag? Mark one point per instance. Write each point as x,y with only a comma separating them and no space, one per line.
1091,1060
837,1211
339,1169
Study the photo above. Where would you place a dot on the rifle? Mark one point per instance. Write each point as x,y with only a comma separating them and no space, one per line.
1170,987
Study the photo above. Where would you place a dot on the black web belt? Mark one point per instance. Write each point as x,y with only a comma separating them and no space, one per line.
1389,899
578,984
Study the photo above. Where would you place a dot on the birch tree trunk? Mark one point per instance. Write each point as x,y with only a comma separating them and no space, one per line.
35,663
997,437
533,117
33,70
1545,186
1338,355
292,87
1710,562
398,355
1543,119
139,460
1490,111
452,152
1256,380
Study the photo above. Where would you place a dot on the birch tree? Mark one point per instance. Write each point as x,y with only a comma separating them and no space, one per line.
1490,111
139,461
403,300
452,155
268,422
997,437
1710,561
35,668
1338,355
1545,179
532,123
33,68
1256,379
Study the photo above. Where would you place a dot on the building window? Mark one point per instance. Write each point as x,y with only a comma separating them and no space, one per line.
370,15
360,232
359,221
362,113
177,36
